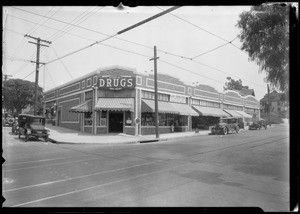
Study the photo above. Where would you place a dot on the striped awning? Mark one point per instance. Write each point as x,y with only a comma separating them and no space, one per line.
115,104
209,111
163,107
244,114
233,113
85,106
184,109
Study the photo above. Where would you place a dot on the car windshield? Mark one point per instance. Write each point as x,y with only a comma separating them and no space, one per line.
223,121
37,121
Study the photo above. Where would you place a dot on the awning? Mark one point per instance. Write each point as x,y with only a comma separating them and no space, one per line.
82,107
115,104
163,107
233,113
209,111
184,109
244,114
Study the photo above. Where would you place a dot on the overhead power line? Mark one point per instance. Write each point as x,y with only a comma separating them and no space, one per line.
172,54
201,28
120,32
228,42
62,63
169,63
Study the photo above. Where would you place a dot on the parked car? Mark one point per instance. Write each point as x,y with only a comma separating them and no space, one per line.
226,125
258,125
9,120
33,126
15,126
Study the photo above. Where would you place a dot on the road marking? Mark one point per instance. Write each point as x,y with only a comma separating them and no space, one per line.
67,179
101,185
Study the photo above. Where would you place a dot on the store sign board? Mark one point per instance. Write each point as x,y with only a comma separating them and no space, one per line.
177,99
116,82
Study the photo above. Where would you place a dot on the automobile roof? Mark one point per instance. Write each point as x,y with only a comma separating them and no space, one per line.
29,115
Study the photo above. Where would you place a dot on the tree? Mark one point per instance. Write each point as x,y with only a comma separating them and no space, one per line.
232,84
265,36
18,94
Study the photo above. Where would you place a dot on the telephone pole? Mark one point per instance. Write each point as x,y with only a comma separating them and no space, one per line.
155,92
37,62
269,105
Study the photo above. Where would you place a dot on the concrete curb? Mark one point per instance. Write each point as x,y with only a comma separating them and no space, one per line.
153,140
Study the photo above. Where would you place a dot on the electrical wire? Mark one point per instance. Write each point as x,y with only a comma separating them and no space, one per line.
200,28
161,51
183,57
67,27
62,62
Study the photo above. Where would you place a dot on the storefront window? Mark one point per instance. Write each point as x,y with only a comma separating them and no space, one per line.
128,118
181,120
101,118
88,119
151,95
162,118
205,103
147,119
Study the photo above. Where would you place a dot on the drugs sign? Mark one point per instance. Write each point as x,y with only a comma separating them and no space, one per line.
116,83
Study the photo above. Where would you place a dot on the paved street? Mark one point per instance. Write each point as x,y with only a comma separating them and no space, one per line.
237,170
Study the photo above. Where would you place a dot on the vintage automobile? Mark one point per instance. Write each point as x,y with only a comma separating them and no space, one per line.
9,120
258,125
15,126
32,126
226,125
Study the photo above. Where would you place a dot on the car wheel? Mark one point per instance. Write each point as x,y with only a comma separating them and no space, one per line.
225,131
26,137
237,129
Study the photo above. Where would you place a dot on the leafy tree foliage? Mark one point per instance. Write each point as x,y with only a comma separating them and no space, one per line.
232,84
18,94
265,36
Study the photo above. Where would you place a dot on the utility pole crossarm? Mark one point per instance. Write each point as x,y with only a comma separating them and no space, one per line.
41,40
37,62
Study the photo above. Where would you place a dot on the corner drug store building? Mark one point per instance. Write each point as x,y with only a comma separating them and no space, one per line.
120,100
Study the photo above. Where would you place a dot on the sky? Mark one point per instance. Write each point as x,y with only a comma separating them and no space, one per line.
192,43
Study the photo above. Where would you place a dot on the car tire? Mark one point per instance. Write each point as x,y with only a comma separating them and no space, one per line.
225,131
26,137
237,129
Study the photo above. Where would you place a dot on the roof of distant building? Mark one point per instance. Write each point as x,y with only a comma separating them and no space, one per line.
245,92
274,96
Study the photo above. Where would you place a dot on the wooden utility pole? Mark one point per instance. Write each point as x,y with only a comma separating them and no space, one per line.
37,62
269,105
155,92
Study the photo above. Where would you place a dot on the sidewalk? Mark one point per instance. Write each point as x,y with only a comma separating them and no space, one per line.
64,135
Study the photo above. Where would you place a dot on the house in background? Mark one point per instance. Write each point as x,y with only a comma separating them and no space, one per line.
278,107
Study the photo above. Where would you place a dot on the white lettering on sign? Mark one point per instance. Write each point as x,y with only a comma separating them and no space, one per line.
116,83
177,99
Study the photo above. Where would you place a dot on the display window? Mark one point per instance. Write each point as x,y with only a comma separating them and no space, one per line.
101,118
128,118
88,119
164,119
147,119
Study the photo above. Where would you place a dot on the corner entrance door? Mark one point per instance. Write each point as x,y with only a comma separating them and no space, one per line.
116,122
